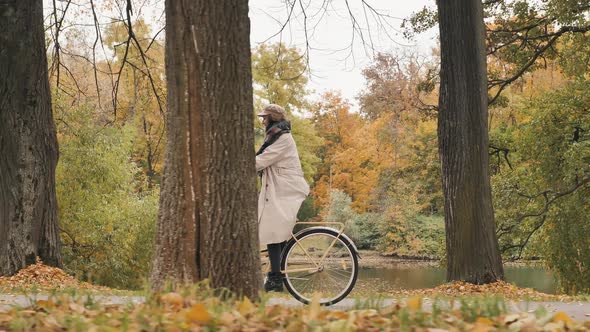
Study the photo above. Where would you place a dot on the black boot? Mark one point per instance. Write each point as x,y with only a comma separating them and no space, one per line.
274,282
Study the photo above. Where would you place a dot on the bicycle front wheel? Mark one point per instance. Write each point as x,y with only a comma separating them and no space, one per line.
320,262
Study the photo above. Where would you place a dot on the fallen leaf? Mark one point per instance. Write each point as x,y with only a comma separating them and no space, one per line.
45,304
245,306
509,319
77,308
198,313
296,326
314,307
480,328
227,318
5,318
485,321
554,327
172,299
561,316
414,303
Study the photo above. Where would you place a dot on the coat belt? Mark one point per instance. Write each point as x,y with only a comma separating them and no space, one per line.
288,171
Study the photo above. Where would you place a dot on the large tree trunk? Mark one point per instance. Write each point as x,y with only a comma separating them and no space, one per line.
28,142
472,247
207,226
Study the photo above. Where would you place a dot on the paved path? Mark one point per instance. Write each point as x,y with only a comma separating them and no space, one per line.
8,301
577,310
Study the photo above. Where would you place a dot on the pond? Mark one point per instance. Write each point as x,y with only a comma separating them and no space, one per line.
413,277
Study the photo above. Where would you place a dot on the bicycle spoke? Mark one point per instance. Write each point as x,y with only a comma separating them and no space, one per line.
335,252
334,282
335,258
339,272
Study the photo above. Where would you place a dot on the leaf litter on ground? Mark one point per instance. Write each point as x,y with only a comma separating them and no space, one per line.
501,288
198,308
41,277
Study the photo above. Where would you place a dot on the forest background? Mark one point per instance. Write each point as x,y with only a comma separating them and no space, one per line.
375,169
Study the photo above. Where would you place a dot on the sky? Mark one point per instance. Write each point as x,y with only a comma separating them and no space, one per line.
332,64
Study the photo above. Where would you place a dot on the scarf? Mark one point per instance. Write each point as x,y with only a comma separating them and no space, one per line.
274,130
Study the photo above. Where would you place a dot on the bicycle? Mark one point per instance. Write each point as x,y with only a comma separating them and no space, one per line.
319,259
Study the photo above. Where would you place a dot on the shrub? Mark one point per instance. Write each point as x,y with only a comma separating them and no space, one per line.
107,215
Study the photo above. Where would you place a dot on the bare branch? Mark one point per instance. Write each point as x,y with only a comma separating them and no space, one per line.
58,25
497,151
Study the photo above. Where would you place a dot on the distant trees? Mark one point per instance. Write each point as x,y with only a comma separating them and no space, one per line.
349,160
28,142
280,76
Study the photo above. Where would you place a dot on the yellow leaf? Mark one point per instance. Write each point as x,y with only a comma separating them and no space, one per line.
337,315
485,321
314,306
46,304
561,316
245,306
414,303
389,310
172,299
198,313
480,328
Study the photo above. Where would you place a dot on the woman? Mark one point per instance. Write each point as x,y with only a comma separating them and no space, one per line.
283,189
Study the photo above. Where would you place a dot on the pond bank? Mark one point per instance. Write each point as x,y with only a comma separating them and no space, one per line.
373,259
386,274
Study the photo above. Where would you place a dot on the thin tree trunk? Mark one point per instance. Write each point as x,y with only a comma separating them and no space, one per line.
472,247
175,250
28,142
207,226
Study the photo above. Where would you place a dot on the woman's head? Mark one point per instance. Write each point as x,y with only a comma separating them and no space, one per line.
273,113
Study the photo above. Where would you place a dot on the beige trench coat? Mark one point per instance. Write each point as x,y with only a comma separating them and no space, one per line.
282,192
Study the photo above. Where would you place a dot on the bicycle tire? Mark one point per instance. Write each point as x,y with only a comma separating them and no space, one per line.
342,243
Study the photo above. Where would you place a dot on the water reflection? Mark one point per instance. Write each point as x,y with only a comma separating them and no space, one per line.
535,277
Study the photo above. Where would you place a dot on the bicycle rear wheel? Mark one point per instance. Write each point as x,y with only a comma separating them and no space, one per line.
306,273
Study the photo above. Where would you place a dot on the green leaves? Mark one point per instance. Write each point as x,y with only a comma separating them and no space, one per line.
543,201
107,214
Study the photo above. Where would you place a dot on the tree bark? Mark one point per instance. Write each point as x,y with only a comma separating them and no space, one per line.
28,142
472,247
207,226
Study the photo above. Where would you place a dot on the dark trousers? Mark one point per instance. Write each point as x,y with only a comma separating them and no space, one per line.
274,254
